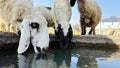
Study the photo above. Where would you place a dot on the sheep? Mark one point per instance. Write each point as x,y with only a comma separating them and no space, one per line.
90,14
49,14
62,14
32,24
13,15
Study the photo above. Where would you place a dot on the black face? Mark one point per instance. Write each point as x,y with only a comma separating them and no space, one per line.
64,40
34,25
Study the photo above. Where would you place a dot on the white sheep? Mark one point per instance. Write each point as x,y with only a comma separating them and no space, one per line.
90,14
12,11
62,13
32,24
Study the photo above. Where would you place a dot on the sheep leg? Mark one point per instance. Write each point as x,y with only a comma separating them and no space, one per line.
83,27
93,29
7,27
2,27
13,28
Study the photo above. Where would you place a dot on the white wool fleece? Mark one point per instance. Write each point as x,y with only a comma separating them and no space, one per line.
13,10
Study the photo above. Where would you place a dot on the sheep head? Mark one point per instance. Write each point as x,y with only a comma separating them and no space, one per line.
36,32
39,36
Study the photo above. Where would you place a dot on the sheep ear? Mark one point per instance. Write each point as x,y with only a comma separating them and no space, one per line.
25,37
72,3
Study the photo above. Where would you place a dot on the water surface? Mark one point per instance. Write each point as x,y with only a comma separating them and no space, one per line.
61,58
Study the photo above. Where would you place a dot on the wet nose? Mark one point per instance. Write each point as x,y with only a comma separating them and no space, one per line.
44,50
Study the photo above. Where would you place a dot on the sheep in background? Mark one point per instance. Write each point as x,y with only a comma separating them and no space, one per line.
49,14
12,11
33,25
90,14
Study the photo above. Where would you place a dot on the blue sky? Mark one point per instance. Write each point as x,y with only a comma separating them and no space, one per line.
108,7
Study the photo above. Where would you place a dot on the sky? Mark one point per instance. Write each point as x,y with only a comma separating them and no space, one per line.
109,8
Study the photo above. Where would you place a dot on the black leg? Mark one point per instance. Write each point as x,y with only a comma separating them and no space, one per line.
83,29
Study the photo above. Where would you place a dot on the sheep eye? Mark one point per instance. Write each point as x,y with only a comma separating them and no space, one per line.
34,25
19,20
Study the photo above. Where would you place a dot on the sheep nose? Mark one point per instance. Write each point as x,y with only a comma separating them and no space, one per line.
44,50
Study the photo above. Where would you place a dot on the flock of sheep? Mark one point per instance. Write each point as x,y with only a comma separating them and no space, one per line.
33,21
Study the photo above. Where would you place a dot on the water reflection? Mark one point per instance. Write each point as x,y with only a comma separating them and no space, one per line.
111,61
62,58
74,61
57,59
32,61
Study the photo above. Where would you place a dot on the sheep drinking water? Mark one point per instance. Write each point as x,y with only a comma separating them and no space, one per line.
52,20
59,17
62,14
